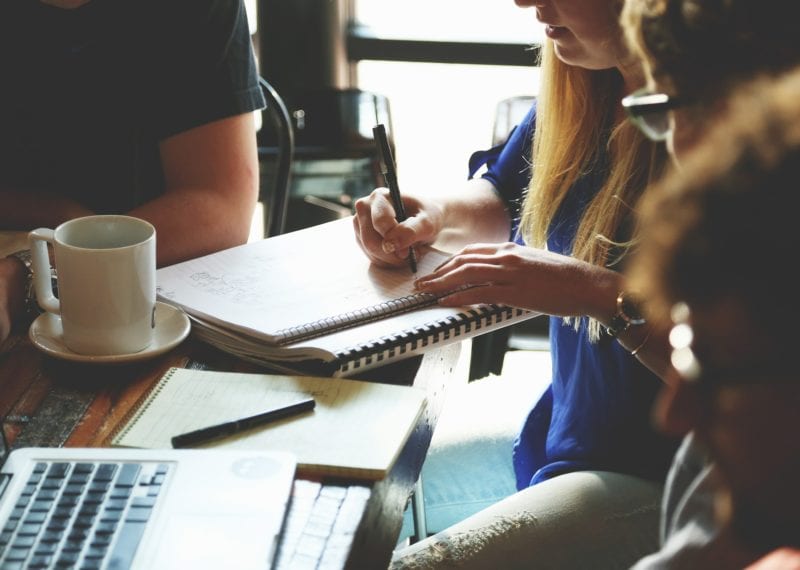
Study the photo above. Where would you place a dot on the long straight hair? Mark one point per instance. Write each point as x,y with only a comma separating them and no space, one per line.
577,125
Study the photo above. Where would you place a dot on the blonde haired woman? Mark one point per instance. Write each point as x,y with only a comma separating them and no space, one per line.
588,464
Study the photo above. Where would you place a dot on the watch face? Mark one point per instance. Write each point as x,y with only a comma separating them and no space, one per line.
630,309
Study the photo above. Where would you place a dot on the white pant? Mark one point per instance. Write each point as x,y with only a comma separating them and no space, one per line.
592,519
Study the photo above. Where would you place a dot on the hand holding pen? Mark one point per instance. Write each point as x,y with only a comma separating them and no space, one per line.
389,170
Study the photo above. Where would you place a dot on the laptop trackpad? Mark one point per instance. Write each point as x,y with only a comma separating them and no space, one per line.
215,541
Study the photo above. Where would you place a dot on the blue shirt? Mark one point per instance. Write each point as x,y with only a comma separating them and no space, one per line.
596,413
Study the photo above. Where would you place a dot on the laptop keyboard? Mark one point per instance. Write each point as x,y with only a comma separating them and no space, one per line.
320,525
83,515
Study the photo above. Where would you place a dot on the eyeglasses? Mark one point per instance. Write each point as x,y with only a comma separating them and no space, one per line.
650,112
683,358
707,379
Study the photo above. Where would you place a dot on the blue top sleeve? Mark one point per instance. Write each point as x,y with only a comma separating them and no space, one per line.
508,165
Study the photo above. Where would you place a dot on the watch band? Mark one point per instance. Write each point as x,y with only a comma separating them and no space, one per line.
31,307
24,255
628,314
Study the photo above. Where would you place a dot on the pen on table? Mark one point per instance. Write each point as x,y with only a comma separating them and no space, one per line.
206,434
390,176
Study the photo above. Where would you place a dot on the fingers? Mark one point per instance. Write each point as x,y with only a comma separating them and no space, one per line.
382,238
473,273
374,214
480,273
368,246
475,257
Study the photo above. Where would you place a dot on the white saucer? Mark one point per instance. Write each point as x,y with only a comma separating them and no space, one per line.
172,326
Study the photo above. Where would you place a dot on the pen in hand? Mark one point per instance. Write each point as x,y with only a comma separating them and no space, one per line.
389,170
207,434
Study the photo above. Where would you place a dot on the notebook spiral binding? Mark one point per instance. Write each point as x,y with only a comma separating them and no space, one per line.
127,422
409,340
355,318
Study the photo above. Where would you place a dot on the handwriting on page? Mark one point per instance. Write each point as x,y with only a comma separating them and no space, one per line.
327,275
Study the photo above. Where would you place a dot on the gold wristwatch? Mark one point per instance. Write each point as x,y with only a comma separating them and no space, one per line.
628,314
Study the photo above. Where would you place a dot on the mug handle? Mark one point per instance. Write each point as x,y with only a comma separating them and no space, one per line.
43,285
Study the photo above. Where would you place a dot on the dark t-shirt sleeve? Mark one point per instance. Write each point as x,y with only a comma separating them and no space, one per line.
99,87
206,70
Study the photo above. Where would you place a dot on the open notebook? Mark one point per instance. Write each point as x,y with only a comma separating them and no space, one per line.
130,508
311,302
357,428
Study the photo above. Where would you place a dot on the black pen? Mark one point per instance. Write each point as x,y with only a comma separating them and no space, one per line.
390,176
206,434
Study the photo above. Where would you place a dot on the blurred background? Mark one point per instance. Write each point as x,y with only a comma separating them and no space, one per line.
436,72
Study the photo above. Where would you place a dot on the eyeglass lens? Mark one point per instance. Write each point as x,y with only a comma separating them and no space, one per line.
655,126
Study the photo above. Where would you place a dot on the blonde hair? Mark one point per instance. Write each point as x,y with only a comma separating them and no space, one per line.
575,129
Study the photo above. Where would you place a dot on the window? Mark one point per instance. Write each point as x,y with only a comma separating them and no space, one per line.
441,112
465,20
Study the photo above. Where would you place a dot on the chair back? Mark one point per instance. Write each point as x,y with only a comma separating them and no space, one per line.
277,203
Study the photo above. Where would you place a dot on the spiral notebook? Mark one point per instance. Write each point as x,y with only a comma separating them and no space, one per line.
357,428
310,302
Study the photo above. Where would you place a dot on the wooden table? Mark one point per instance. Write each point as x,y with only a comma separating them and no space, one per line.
49,402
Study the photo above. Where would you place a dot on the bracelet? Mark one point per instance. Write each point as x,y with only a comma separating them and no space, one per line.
636,350
32,309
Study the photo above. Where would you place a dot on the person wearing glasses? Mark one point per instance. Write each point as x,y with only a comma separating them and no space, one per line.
143,107
589,465
697,53
715,264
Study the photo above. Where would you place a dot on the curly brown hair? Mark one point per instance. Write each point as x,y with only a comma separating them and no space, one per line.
726,225
700,49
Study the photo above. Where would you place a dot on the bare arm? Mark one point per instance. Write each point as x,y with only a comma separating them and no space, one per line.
211,175
475,213
544,282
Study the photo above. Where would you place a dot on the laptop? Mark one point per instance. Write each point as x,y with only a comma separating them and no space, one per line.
117,508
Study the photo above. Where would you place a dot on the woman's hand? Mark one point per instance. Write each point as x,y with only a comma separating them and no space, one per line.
383,239
468,213
523,277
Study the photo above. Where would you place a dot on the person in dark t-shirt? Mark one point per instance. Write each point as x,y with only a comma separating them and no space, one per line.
138,107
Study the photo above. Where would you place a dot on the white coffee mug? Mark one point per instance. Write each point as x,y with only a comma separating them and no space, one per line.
106,267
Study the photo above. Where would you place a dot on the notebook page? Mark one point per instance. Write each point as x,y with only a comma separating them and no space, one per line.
287,281
357,428
185,400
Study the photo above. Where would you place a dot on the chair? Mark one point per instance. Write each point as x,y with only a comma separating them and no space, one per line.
489,350
278,202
